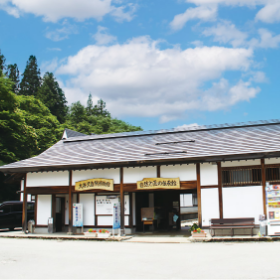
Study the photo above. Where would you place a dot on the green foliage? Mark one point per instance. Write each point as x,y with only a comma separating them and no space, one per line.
47,128
31,80
13,74
194,227
95,119
53,97
17,139
2,63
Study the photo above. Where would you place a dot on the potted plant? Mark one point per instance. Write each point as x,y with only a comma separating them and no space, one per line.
103,233
197,232
91,232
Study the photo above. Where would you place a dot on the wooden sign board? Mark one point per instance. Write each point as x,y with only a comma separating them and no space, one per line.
92,184
147,213
158,183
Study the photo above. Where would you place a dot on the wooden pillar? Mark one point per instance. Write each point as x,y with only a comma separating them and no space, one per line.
198,194
220,184
158,171
24,206
54,212
70,201
122,200
263,186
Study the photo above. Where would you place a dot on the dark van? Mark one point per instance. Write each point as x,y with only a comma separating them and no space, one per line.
11,214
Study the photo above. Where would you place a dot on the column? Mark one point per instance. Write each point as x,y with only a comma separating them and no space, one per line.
24,206
122,200
198,194
263,186
70,202
220,186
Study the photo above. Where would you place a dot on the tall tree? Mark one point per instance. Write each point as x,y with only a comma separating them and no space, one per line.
13,75
53,97
17,139
2,62
31,80
99,109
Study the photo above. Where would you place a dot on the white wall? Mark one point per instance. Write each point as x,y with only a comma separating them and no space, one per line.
100,173
209,205
46,179
271,160
132,175
241,163
88,208
243,202
208,174
184,172
44,209
108,220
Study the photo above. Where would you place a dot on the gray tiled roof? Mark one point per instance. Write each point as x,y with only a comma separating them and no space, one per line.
136,148
71,133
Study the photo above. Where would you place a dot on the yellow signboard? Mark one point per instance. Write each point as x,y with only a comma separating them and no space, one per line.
92,184
158,183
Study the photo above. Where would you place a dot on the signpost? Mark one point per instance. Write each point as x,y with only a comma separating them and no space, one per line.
116,218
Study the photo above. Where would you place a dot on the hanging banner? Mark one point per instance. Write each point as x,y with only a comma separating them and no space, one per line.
92,184
116,216
77,215
158,183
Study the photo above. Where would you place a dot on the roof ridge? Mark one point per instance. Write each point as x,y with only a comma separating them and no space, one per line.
173,130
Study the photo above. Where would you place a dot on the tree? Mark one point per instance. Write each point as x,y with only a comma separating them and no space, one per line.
53,97
17,139
31,80
13,75
95,119
47,128
2,62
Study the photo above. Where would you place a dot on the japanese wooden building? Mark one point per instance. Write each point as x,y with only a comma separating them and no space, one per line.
225,167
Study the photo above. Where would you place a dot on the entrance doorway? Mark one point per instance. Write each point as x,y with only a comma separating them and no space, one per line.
60,214
166,206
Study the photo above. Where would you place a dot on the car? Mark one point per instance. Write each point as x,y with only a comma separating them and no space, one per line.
11,214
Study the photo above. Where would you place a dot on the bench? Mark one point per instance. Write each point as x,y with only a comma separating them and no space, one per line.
232,223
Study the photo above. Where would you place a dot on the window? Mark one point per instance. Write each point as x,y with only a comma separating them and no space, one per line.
17,208
235,177
30,206
5,209
273,174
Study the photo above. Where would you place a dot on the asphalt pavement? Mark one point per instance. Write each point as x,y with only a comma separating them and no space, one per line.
44,259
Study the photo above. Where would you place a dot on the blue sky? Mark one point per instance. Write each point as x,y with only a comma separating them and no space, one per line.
157,63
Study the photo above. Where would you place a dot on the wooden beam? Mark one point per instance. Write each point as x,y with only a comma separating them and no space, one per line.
220,190
24,206
54,212
158,171
198,194
263,186
70,201
122,200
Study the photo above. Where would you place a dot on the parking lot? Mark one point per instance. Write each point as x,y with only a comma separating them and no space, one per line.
23,258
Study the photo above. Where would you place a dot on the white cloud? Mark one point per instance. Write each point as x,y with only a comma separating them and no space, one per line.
186,126
138,78
204,13
267,40
54,49
102,37
270,13
49,66
53,10
206,10
226,32
62,33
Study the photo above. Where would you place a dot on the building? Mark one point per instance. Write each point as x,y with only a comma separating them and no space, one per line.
223,167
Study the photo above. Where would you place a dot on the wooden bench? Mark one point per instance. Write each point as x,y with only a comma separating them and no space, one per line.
232,223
